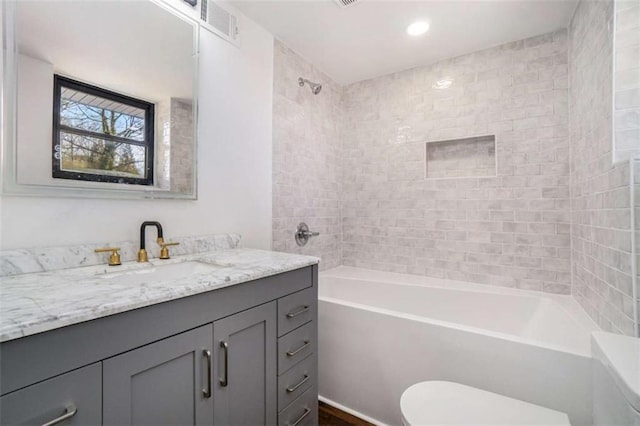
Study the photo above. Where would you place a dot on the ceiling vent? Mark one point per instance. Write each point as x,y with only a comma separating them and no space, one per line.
346,3
219,21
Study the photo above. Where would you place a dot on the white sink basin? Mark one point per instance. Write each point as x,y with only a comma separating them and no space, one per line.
157,273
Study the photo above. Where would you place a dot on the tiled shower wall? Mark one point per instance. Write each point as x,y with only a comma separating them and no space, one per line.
627,79
636,198
509,230
174,153
601,211
366,187
307,150
181,174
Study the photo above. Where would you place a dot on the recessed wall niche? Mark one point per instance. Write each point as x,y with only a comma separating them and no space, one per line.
468,157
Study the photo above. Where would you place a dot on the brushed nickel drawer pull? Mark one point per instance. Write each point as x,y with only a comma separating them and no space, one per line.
294,352
224,381
302,310
207,392
69,412
296,386
301,418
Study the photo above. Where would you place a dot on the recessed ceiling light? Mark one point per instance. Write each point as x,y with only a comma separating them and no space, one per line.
417,28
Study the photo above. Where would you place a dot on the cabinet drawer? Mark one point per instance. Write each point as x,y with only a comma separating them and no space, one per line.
301,412
79,391
295,310
294,382
296,346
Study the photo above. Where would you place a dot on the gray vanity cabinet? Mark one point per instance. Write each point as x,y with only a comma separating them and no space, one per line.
164,383
240,355
245,371
74,398
170,382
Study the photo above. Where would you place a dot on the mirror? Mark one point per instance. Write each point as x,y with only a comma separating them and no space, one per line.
99,99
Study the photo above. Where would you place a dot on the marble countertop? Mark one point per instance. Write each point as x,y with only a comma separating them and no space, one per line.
38,302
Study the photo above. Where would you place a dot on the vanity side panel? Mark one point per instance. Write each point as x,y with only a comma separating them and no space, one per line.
314,278
38,357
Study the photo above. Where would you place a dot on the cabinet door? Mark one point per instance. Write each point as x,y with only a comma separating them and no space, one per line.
74,398
164,383
245,368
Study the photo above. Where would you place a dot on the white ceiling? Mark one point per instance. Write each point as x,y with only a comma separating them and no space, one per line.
133,47
369,39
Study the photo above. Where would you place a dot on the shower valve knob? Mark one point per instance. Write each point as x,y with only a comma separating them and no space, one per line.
303,234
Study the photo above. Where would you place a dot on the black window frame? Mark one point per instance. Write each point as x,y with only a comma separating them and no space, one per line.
148,142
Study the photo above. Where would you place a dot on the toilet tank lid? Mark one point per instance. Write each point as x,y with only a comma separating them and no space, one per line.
438,403
621,357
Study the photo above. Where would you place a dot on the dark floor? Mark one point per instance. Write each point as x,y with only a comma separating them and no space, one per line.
331,416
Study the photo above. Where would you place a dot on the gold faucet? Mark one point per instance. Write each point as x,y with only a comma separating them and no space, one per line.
164,251
114,259
142,253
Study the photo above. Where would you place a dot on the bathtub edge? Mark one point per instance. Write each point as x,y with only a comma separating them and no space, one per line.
351,411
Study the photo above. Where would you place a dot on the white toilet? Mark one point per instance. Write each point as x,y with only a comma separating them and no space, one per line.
448,403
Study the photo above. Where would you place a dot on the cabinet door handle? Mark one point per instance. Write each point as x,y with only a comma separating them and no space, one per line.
302,310
224,381
296,386
207,392
69,412
294,352
301,418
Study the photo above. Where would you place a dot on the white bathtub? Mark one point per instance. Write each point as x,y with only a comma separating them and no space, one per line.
381,332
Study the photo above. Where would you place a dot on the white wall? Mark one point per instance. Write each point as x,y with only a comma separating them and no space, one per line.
234,165
35,87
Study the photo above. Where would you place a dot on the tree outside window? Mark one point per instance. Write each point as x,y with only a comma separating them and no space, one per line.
101,135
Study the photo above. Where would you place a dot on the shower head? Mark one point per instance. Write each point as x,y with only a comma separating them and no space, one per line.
315,87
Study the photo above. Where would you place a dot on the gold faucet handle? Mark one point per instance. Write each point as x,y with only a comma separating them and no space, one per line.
114,259
172,243
164,251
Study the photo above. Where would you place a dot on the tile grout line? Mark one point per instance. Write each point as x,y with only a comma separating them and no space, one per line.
634,258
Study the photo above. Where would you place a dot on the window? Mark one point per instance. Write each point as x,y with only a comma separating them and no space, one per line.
101,136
